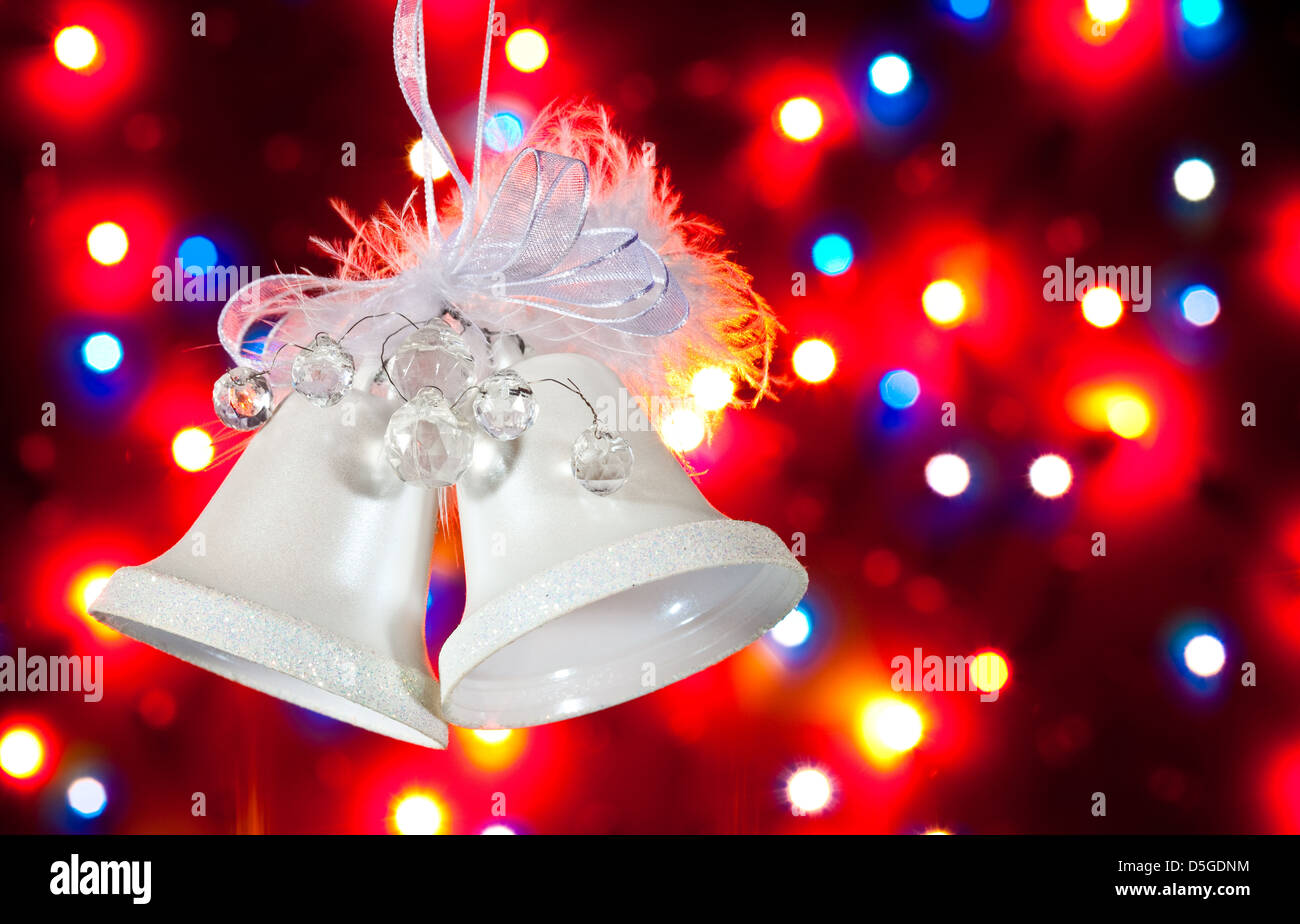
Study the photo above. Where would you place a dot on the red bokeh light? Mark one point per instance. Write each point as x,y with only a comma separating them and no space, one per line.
1059,46
78,99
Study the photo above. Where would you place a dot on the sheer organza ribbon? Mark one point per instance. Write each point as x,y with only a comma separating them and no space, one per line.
532,249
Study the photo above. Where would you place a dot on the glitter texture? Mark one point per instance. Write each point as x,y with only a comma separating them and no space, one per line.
274,653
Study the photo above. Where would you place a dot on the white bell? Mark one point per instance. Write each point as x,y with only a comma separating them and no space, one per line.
576,602
305,577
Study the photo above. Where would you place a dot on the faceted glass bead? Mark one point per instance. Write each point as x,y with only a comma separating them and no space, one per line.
323,374
426,443
242,399
505,406
602,461
432,356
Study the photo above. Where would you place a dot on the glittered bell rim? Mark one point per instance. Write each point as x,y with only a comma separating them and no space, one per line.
274,653
305,576
616,623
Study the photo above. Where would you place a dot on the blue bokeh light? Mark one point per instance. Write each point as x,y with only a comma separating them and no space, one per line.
832,254
1200,305
970,9
899,389
101,352
197,251
1202,13
892,92
504,132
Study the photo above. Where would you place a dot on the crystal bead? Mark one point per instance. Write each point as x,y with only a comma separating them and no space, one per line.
432,356
505,406
242,399
602,461
426,443
323,373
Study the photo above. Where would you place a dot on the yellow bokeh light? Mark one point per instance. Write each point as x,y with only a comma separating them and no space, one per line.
417,813
82,592
85,587
107,243
75,47
712,388
192,449
92,589
1102,307
526,50
21,753
1128,417
492,735
492,748
415,158
683,430
800,118
989,671
891,726
1107,11
814,361
944,302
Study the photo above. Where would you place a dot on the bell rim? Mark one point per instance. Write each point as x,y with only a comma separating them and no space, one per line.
387,693
693,547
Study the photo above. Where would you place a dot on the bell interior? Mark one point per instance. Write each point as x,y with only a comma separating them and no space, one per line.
624,645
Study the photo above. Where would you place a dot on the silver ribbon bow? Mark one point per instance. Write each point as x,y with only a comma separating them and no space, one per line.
533,248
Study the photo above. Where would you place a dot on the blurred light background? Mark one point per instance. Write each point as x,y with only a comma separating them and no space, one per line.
951,449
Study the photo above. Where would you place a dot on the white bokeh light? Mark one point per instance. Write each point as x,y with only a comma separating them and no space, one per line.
1194,179
947,474
1204,655
87,797
417,814
1050,476
890,74
809,790
415,160
793,630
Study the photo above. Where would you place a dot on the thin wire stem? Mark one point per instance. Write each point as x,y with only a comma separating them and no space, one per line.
572,386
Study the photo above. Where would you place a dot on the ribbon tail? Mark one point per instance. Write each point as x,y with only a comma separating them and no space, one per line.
470,207
409,60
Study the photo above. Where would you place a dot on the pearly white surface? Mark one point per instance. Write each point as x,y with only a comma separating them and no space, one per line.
308,567
576,602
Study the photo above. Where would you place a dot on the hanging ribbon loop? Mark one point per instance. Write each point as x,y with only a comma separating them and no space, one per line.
533,251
